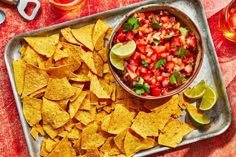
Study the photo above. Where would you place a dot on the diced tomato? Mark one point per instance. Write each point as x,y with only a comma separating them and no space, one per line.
188,68
170,66
132,74
159,49
143,70
154,57
175,42
165,19
191,42
146,76
148,60
136,55
165,83
141,46
133,62
156,91
121,37
129,36
132,67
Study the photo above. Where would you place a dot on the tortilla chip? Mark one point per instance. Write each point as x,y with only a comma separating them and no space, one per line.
86,103
43,150
35,79
34,133
99,88
73,59
80,78
39,93
43,45
84,35
108,33
92,137
63,103
119,140
50,144
110,147
53,114
75,105
51,132
103,54
98,63
83,70
74,134
133,144
183,101
19,72
60,53
173,133
32,110
59,89
85,117
121,112
146,124
106,122
92,152
98,35
67,34
78,90
23,49
60,71
93,61
62,149
32,57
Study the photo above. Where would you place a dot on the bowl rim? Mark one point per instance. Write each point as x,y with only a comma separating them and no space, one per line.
200,46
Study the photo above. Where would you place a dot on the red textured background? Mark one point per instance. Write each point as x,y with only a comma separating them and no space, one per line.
12,142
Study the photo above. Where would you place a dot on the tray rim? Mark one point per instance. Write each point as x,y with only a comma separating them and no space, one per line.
90,18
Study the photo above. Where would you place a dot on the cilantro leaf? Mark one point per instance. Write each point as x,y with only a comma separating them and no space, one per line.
155,25
141,88
175,77
168,36
144,63
139,91
131,24
181,52
133,20
146,87
183,31
160,63
127,27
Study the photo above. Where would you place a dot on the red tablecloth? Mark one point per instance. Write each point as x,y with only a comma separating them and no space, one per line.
12,141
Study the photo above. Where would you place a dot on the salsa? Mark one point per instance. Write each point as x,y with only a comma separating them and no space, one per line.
165,53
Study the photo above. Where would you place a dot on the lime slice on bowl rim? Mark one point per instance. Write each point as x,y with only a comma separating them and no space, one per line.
124,51
197,117
209,98
117,62
197,91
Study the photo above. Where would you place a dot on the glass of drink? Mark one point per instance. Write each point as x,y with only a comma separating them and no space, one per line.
65,5
227,21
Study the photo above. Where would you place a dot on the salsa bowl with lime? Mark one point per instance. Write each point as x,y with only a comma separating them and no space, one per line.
155,51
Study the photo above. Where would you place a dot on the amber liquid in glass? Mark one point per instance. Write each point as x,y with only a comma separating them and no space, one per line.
227,21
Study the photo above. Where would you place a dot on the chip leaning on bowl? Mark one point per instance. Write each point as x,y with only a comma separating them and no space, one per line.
70,97
155,51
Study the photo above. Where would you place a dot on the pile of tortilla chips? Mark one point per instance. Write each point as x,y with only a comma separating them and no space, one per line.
70,97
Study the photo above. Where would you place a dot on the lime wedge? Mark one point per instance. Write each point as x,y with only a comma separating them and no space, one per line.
197,91
209,99
197,117
117,62
124,51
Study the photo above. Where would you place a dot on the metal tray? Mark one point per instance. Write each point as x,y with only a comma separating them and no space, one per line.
220,115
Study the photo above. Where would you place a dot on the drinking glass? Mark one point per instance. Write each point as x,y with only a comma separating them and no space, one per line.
227,21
